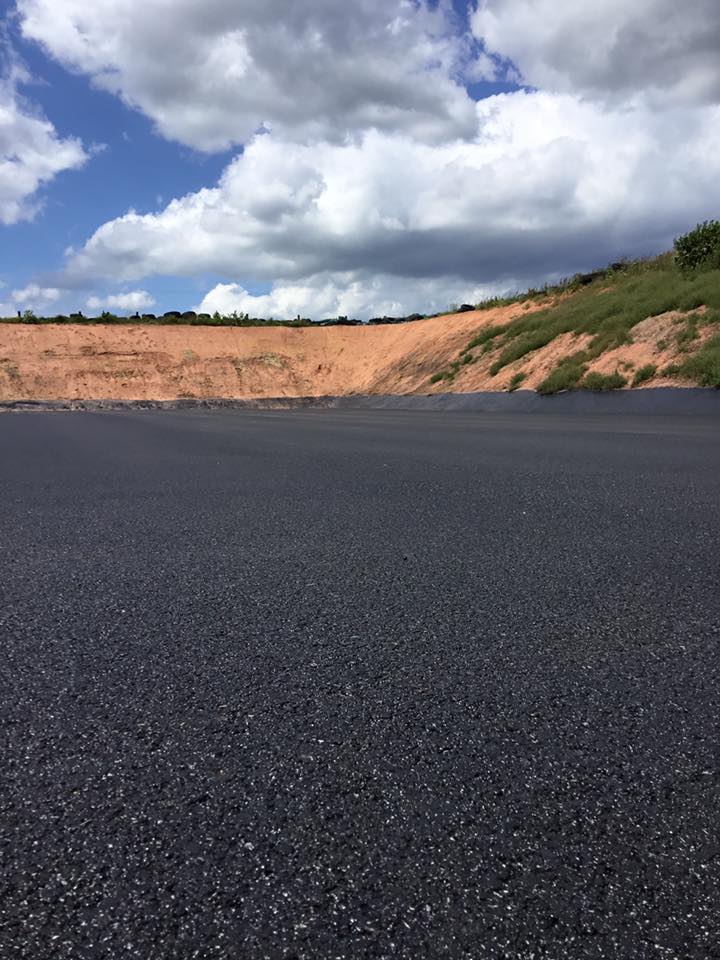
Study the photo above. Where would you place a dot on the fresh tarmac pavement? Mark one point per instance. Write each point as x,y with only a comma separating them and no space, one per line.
359,684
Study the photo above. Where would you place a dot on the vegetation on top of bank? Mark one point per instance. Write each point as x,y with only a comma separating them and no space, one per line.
234,319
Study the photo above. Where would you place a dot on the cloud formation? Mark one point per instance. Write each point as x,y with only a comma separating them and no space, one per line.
31,152
132,300
210,75
549,182
376,184
609,48
34,293
33,297
357,294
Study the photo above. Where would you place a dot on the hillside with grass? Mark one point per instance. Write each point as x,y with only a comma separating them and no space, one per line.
630,325
638,324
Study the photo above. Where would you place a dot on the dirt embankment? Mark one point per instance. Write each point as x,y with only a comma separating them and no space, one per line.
142,362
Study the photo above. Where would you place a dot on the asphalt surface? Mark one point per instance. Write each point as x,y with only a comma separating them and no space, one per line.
359,684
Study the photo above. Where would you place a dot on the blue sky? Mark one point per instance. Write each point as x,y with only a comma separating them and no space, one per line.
134,168
257,240
131,167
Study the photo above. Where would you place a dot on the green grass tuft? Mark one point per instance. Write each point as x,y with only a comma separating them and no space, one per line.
565,376
485,336
644,374
704,366
602,381
689,332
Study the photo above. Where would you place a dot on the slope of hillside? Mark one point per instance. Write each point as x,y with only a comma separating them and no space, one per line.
71,361
646,325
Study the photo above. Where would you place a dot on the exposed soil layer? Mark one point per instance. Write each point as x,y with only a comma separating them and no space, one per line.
142,362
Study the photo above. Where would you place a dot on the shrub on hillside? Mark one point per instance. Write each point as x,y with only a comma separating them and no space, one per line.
644,374
601,382
704,366
700,246
564,377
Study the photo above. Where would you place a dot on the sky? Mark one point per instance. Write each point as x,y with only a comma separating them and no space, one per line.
322,158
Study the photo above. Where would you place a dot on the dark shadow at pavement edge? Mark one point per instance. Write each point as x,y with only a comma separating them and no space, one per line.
662,401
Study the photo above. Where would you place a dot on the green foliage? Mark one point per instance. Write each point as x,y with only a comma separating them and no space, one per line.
485,336
437,377
516,381
492,302
699,247
551,291
602,381
689,331
644,374
565,376
704,366
522,342
174,318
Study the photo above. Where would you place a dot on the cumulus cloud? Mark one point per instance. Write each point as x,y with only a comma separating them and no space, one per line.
550,182
33,297
31,152
352,294
609,47
211,74
376,185
34,294
132,300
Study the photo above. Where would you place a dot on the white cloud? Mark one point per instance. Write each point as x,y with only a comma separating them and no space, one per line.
31,152
551,183
380,187
353,294
35,295
133,300
666,48
41,300
211,74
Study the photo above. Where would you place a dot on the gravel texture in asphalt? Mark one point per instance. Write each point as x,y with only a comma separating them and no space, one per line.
359,684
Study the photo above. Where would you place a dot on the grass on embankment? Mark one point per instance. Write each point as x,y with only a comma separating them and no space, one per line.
607,309
703,366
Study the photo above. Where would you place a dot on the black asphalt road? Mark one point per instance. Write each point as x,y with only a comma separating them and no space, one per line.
359,684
